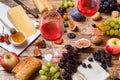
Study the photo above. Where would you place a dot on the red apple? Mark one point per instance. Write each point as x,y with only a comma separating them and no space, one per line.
119,57
113,46
8,60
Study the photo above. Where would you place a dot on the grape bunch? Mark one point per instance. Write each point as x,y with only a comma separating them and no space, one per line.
103,58
111,27
68,63
49,72
107,6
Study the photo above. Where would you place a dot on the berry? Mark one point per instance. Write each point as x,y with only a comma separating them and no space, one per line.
84,65
71,35
89,66
79,62
90,59
68,47
94,25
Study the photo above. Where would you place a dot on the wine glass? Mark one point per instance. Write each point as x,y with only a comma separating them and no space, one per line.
52,27
88,8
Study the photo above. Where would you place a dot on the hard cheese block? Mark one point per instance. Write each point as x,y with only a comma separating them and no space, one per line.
21,21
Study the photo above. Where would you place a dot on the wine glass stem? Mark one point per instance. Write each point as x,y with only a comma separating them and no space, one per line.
55,52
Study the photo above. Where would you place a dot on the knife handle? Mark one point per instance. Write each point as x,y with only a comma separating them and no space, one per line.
31,12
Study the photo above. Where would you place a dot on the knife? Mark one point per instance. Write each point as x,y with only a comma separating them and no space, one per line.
27,9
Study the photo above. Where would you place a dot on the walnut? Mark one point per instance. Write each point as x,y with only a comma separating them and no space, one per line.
114,72
96,40
115,14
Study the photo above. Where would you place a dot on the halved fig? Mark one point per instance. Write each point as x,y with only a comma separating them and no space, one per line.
82,43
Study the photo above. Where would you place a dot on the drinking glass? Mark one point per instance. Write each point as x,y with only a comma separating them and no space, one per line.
52,27
88,8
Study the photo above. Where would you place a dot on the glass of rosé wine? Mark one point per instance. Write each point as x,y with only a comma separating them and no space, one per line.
88,8
51,27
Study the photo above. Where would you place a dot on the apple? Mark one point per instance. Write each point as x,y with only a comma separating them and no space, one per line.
119,57
113,46
8,60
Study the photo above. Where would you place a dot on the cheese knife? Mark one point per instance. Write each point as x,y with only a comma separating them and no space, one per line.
27,9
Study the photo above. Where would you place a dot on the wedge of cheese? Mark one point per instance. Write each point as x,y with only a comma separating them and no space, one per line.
21,20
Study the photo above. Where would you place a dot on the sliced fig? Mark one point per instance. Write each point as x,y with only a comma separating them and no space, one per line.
72,26
82,43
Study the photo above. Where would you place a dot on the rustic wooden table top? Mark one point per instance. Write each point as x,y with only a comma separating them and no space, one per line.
29,51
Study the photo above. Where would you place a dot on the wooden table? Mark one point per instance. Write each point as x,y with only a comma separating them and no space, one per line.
29,51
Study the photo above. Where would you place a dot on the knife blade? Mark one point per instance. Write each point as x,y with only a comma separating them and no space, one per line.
27,9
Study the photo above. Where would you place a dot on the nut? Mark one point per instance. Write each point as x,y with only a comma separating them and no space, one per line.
96,16
96,40
115,14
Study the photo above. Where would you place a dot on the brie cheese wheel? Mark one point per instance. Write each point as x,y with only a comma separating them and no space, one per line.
94,73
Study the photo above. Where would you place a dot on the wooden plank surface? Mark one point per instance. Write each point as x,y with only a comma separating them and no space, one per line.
29,51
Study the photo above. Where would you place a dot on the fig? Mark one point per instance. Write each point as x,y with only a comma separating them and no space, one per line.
82,43
76,15
72,26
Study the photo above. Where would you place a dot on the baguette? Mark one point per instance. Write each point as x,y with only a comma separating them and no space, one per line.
21,64
25,68
48,4
39,5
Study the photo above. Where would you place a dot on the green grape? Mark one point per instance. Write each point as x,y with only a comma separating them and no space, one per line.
112,24
119,32
106,23
116,26
56,79
48,74
57,68
115,20
49,64
116,32
112,32
45,68
43,77
61,3
41,72
56,75
70,4
53,70
65,4
108,32
107,28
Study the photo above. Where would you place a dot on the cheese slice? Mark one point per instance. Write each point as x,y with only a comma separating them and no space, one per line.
21,20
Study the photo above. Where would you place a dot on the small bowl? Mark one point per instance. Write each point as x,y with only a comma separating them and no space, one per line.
15,39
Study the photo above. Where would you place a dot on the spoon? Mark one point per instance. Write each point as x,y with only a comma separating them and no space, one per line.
12,30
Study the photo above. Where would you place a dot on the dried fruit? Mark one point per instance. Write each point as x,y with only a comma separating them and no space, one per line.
40,43
115,14
96,16
1,39
37,51
59,41
71,35
65,24
82,43
96,40
65,17
72,26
